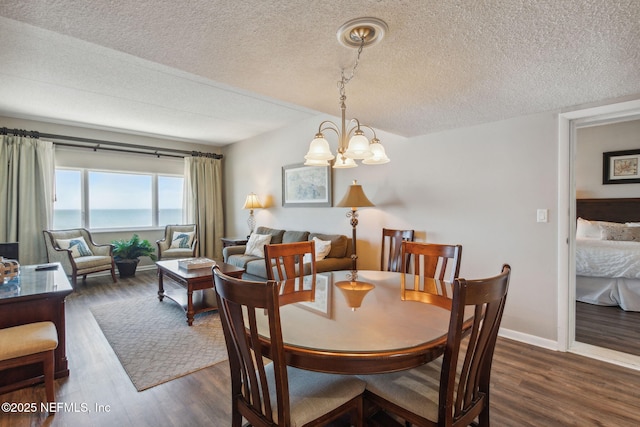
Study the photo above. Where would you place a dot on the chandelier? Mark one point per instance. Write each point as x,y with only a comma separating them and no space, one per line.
353,144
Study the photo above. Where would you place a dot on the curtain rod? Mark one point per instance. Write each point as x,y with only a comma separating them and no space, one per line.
100,145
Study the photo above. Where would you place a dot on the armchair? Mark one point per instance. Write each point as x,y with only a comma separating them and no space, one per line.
78,253
170,247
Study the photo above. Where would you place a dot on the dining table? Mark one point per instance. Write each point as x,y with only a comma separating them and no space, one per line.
380,322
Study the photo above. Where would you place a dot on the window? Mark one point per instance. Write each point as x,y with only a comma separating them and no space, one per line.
68,206
116,199
170,199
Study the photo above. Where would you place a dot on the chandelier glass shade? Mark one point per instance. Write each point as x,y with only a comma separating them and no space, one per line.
353,144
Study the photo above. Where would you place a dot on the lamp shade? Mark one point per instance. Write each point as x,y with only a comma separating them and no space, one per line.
379,155
358,147
252,202
342,162
319,149
355,197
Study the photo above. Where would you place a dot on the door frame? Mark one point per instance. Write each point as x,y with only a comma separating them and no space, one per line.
568,122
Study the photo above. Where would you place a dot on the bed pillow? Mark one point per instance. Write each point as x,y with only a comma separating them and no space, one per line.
182,239
627,234
77,245
586,229
632,224
255,245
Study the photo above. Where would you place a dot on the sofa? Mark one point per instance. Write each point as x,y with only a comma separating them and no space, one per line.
338,258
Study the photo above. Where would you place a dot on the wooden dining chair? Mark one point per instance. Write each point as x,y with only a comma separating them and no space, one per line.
390,253
431,260
453,390
275,394
287,260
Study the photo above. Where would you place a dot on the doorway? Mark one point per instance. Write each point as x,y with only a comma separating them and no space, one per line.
569,124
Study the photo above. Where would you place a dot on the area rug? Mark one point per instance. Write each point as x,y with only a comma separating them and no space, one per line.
154,343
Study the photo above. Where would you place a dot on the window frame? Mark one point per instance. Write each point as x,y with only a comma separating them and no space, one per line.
155,212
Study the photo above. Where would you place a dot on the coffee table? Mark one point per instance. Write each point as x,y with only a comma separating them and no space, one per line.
195,281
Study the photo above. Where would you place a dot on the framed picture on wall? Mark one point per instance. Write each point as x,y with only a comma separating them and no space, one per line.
306,186
621,167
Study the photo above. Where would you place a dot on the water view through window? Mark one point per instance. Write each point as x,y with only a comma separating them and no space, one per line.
116,200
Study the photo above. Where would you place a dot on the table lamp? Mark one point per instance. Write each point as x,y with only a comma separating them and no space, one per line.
251,203
355,198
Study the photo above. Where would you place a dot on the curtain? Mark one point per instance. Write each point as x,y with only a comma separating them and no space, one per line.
203,202
26,194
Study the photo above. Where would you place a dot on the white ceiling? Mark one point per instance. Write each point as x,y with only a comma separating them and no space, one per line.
220,71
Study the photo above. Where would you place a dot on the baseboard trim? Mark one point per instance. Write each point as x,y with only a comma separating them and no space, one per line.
529,339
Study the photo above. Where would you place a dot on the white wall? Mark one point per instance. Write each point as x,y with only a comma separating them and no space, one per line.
592,142
114,161
478,186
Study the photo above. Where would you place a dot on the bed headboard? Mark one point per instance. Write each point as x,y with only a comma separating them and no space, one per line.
614,210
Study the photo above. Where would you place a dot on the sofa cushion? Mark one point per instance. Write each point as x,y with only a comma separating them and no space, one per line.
338,244
276,235
295,236
256,268
241,260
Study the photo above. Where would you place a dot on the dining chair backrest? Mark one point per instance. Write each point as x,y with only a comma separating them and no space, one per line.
260,393
250,392
287,260
465,375
431,260
390,253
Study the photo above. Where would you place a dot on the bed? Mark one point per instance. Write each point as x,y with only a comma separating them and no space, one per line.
608,252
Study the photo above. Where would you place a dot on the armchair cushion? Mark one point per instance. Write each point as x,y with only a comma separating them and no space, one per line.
77,245
182,240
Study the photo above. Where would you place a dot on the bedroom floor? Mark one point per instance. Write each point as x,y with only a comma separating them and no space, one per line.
608,327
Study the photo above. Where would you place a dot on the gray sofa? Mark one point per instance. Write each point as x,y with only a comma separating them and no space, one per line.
339,258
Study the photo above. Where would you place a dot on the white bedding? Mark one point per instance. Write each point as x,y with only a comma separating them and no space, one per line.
608,273
607,258
609,291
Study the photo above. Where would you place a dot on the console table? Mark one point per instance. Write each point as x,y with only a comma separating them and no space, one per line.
233,241
35,296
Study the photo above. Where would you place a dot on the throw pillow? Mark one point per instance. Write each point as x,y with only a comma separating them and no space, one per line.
323,247
628,234
77,245
182,239
255,245
338,244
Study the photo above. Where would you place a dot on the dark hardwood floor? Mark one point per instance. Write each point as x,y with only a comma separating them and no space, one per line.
608,327
531,386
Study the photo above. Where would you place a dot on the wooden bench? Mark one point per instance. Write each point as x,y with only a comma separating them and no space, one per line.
28,344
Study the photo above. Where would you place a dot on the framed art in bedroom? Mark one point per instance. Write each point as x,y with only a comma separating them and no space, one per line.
621,167
306,186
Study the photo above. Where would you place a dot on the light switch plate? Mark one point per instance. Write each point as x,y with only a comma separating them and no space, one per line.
543,215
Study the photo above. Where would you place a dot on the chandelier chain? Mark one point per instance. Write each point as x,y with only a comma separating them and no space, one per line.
344,80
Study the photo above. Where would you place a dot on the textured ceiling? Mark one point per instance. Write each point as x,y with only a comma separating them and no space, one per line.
218,71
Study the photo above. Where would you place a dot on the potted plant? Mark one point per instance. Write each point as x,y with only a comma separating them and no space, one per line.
127,254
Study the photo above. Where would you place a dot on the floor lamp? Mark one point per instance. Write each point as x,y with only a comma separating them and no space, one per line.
355,198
